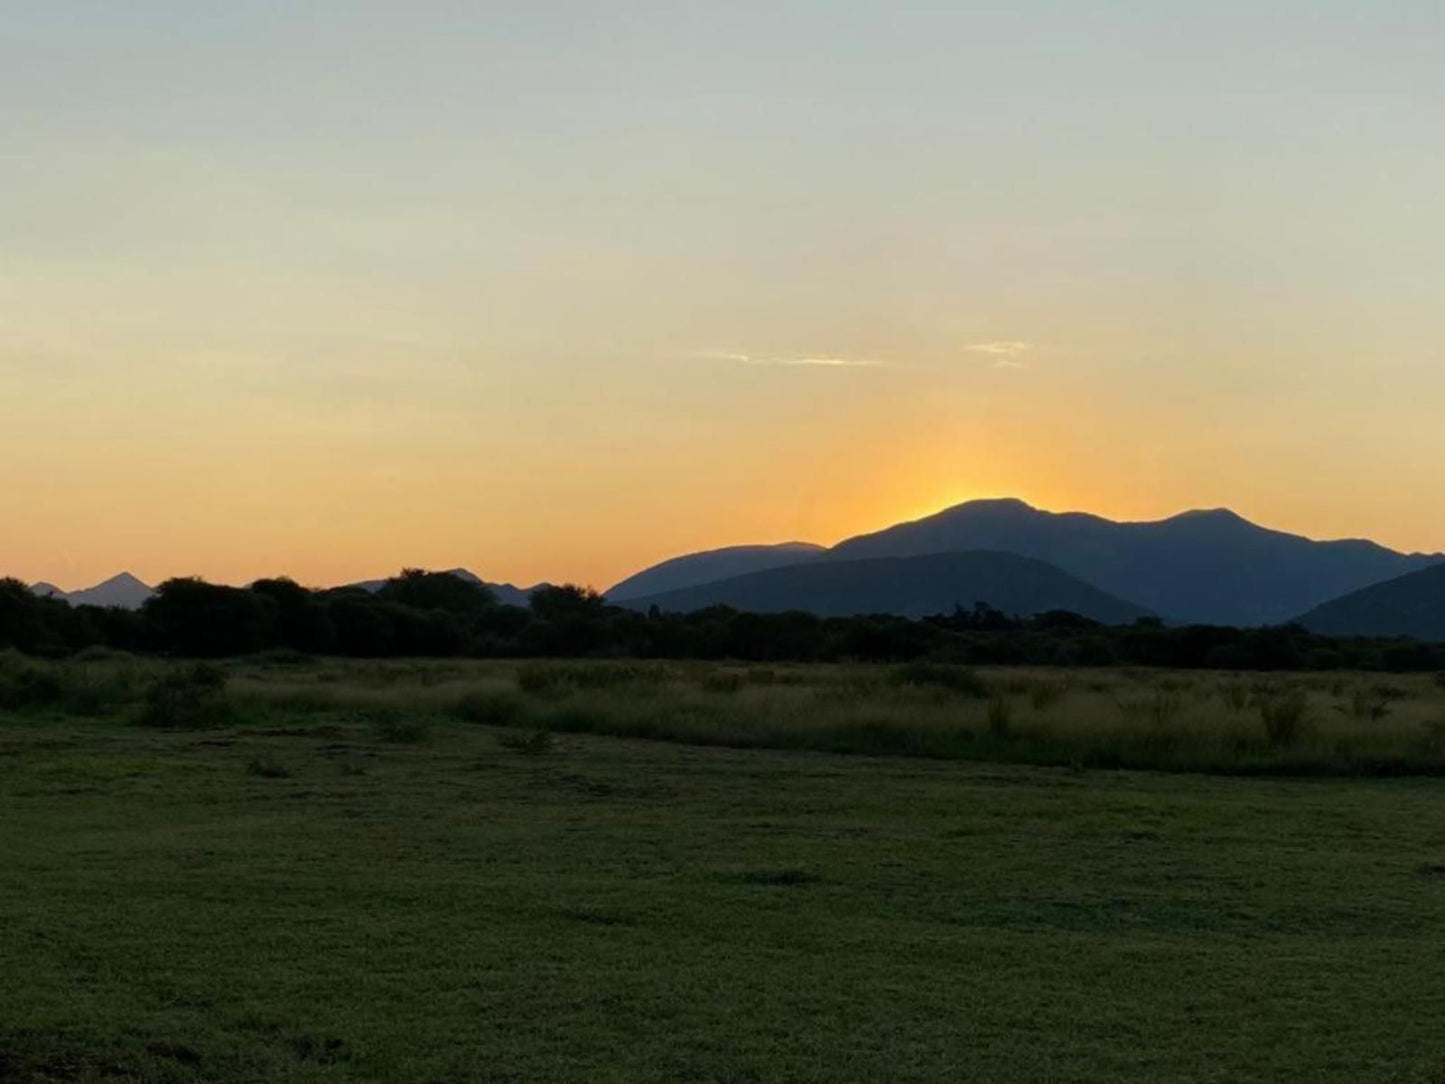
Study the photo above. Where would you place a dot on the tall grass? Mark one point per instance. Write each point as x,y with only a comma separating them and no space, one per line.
1307,724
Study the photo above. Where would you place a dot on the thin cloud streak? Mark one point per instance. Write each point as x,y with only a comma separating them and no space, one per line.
1010,348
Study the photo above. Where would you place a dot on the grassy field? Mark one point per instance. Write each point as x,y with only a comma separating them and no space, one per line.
335,874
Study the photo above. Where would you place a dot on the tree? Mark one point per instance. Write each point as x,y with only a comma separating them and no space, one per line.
194,618
424,590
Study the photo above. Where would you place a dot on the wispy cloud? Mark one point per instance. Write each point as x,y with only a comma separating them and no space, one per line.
1006,349
790,360
1006,354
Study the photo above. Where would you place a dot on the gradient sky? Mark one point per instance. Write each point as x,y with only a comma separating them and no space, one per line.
557,289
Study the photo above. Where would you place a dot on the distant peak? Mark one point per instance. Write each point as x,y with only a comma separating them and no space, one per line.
1211,515
1003,502
124,578
995,504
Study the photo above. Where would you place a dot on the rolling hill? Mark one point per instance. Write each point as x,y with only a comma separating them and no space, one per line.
909,586
1410,605
1208,567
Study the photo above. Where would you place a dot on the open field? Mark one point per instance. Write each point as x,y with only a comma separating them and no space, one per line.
342,879
1196,721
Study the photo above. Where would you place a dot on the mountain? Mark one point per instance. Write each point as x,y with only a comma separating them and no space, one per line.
1410,605
505,593
124,591
911,586
721,564
1207,566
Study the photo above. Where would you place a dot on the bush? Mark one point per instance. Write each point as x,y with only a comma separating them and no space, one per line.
1283,714
266,768
24,685
401,729
1045,694
723,681
88,692
1000,716
489,709
1158,709
282,656
556,678
959,679
188,698
534,742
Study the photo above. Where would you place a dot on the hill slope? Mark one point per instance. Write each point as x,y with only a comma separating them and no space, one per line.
910,586
1211,566
698,568
1410,605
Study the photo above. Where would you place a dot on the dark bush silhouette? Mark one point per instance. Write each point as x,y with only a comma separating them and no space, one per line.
203,620
192,698
444,591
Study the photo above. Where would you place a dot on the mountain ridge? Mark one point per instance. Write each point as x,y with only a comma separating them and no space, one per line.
919,586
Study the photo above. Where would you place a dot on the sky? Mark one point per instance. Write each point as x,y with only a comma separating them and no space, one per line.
554,290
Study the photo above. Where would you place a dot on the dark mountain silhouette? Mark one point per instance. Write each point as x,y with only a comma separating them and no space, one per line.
124,591
910,586
721,564
1409,605
1209,566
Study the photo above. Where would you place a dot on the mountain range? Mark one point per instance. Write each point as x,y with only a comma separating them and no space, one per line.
1205,567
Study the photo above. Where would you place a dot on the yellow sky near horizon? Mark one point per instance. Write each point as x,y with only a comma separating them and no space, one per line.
557,291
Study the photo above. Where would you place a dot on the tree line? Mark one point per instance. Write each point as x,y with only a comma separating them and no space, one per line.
436,614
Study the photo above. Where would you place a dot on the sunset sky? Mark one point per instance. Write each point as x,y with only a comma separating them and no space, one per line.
554,290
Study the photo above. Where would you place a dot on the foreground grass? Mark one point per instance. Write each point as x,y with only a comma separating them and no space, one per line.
340,899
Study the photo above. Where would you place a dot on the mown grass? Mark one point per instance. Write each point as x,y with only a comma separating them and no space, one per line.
293,895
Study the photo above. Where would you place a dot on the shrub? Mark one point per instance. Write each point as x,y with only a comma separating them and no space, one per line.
86,691
401,729
188,698
1000,716
282,656
1235,695
554,678
1371,702
534,742
1158,709
25,685
1045,694
489,709
959,679
1283,714
722,681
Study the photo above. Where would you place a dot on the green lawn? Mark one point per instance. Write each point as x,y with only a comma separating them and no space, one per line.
309,902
